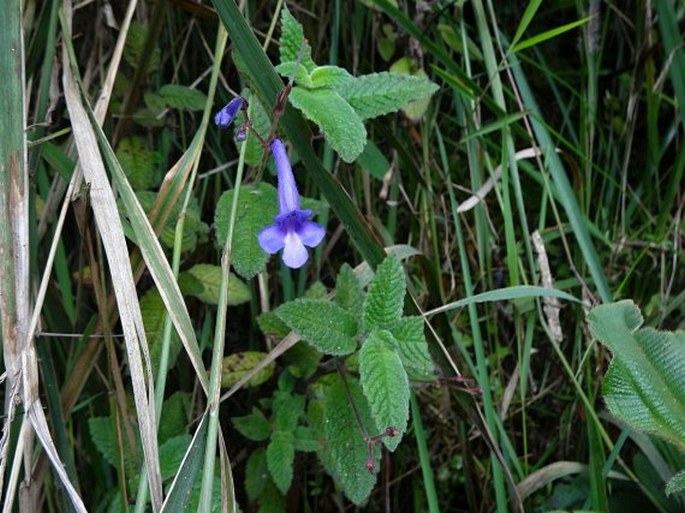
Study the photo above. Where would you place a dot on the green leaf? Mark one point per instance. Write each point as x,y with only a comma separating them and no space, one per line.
135,45
292,39
254,426
385,384
154,317
413,348
174,421
380,93
306,439
325,325
337,120
139,162
645,381
209,278
415,109
257,206
302,359
373,161
293,69
183,97
236,365
280,455
104,436
676,484
346,453
171,455
287,408
348,292
256,474
385,298
549,34
330,76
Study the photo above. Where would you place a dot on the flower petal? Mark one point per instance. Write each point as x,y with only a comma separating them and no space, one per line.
294,253
311,233
225,116
271,238
288,197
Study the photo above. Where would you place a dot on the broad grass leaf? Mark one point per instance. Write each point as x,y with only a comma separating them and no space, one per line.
257,206
209,279
645,381
385,384
376,94
345,454
385,297
323,324
183,97
413,348
280,455
337,120
292,39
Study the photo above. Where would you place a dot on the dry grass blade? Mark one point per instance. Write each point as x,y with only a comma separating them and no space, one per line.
114,242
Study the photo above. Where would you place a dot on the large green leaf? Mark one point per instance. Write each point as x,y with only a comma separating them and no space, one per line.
645,381
337,120
385,384
280,455
291,41
257,206
323,324
380,93
346,453
385,298
348,291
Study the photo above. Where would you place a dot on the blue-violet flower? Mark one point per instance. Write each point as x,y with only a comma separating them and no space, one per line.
292,230
225,116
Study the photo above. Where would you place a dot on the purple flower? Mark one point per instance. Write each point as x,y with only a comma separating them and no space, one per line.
292,230
225,116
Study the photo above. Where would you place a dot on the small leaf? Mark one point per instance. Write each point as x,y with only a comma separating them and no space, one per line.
413,348
380,93
374,161
280,456
301,76
154,317
287,408
139,162
346,453
209,277
135,44
325,325
337,120
385,384
254,426
174,420
257,206
348,292
236,365
306,439
385,298
292,39
302,360
183,97
256,474
271,324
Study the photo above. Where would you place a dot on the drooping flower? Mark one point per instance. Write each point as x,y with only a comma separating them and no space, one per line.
225,116
292,230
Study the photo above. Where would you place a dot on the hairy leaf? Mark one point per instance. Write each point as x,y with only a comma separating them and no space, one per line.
209,277
346,453
236,365
413,348
380,93
256,474
280,455
254,426
645,381
330,76
325,325
292,39
385,384
385,297
257,206
348,292
139,162
337,120
183,97
287,409
171,455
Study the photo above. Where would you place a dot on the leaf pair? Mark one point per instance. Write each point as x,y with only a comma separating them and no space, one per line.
335,100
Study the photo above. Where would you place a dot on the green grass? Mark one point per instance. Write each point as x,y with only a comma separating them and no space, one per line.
594,98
